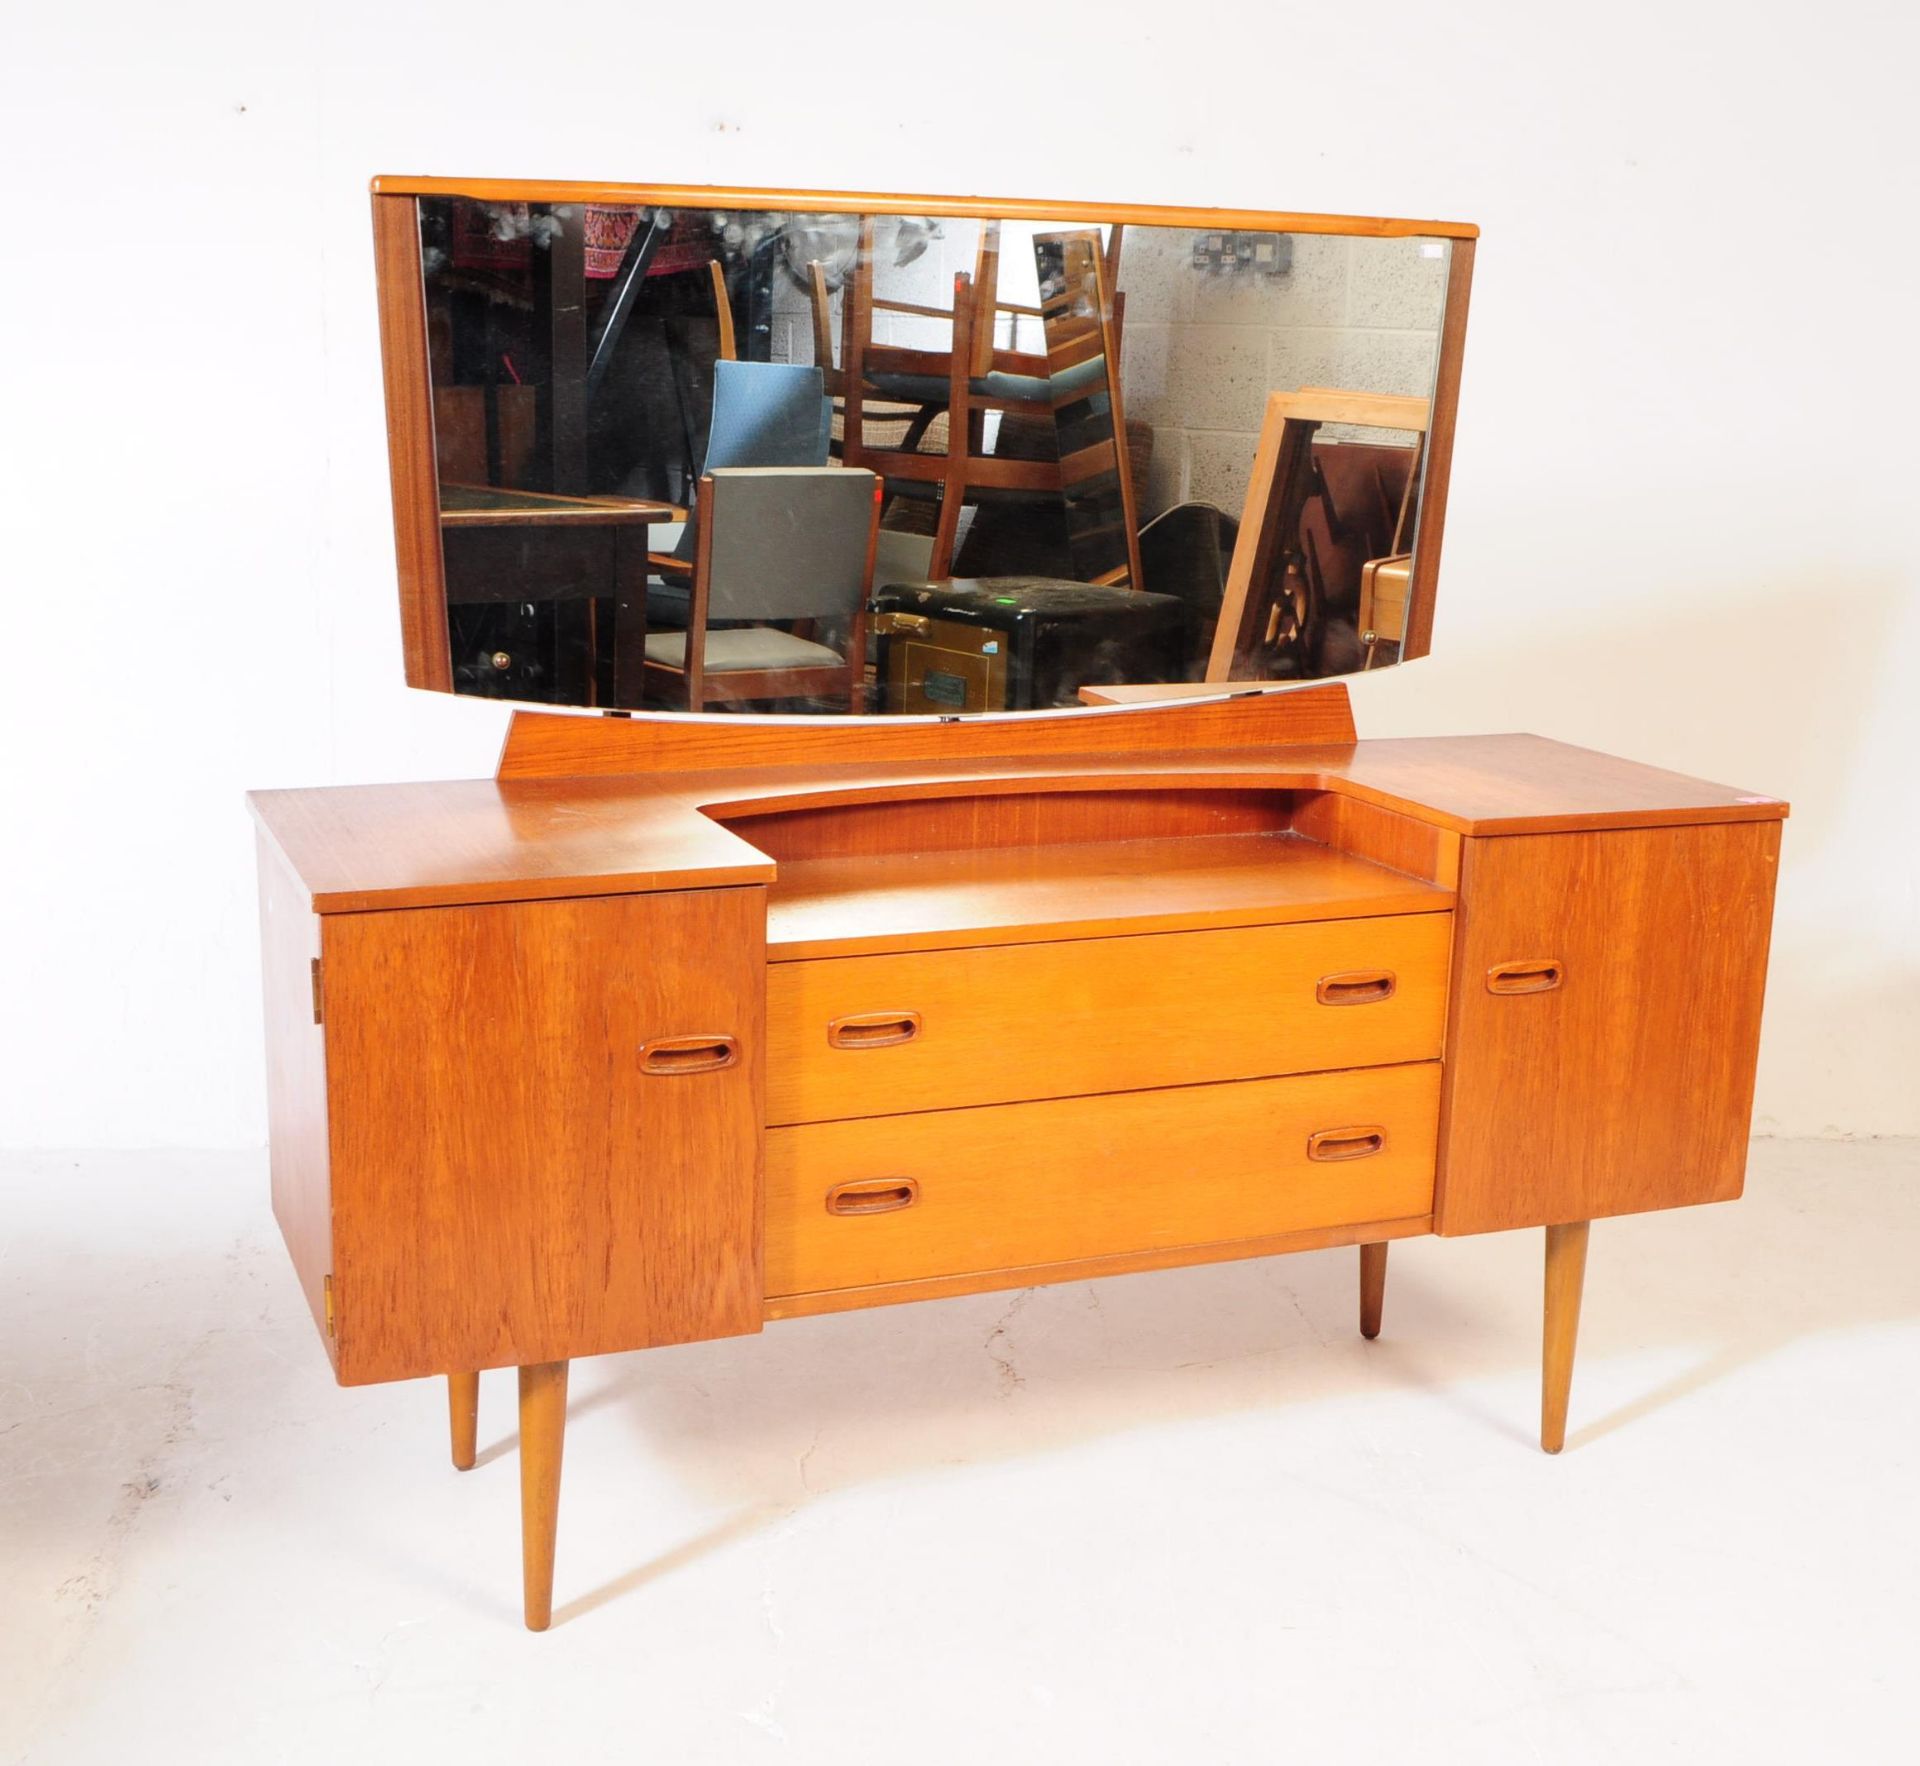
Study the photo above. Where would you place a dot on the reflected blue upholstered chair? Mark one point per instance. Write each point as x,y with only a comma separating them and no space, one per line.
764,414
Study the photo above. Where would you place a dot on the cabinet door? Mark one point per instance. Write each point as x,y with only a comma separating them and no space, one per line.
522,1172
1604,1022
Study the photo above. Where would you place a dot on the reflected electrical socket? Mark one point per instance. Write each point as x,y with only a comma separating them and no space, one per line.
1271,254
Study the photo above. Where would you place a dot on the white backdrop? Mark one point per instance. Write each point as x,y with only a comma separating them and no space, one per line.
1684,492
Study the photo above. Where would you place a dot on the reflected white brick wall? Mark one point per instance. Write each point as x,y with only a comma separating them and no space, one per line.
1202,351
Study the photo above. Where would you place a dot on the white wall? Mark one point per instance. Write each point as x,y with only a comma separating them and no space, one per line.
1682,518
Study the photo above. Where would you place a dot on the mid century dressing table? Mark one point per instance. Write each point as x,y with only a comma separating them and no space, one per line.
681,1025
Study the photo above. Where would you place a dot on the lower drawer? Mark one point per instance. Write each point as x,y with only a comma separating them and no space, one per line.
947,1192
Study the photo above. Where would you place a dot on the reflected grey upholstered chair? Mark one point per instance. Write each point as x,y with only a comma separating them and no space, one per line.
786,554
764,414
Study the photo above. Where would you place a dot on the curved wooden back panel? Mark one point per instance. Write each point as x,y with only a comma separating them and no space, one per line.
561,744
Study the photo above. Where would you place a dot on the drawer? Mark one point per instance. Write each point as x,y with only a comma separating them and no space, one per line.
948,1192
932,1030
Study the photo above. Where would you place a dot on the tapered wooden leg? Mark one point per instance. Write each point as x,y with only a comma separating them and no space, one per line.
1566,1272
543,1427
463,1413
1373,1287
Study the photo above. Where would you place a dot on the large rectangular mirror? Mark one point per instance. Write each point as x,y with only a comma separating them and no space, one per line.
710,451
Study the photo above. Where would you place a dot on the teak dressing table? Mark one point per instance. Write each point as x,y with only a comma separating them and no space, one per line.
680,1026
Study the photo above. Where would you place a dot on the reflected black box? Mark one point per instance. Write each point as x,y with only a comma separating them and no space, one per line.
1019,643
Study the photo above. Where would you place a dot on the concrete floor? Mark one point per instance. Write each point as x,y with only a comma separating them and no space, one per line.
1182,1517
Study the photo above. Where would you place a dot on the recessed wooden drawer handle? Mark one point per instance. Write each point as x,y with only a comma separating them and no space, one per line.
1346,1143
688,1054
873,1030
1357,987
1535,975
873,1195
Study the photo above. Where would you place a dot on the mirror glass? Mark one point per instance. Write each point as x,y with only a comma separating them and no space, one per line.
730,460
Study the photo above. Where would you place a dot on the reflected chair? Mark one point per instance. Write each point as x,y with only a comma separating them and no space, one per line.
691,366
722,312
912,418
764,414
1078,307
778,548
965,381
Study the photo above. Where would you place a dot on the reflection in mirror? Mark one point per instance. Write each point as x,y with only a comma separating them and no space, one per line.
748,460
1076,314
1327,525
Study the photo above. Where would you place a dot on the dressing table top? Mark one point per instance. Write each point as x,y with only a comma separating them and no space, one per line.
519,839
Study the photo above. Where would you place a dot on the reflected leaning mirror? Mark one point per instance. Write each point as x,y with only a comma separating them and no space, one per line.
794,458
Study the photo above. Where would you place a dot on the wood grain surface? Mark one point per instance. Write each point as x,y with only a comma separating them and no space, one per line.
380,846
1086,1269
508,1186
1102,1015
543,1440
1373,1288
1566,1275
1038,1183
463,1419
909,829
412,470
543,744
296,1081
1423,591
893,202
1025,895
1629,1085
465,841
1388,837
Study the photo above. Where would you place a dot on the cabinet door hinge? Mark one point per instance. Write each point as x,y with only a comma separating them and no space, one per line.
316,990
326,1290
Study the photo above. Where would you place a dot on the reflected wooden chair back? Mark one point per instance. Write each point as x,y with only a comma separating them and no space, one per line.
966,381
1077,315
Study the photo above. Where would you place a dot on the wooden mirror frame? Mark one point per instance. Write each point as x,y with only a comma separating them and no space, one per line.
410,427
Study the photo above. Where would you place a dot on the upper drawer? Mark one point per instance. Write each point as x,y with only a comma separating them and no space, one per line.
926,1030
